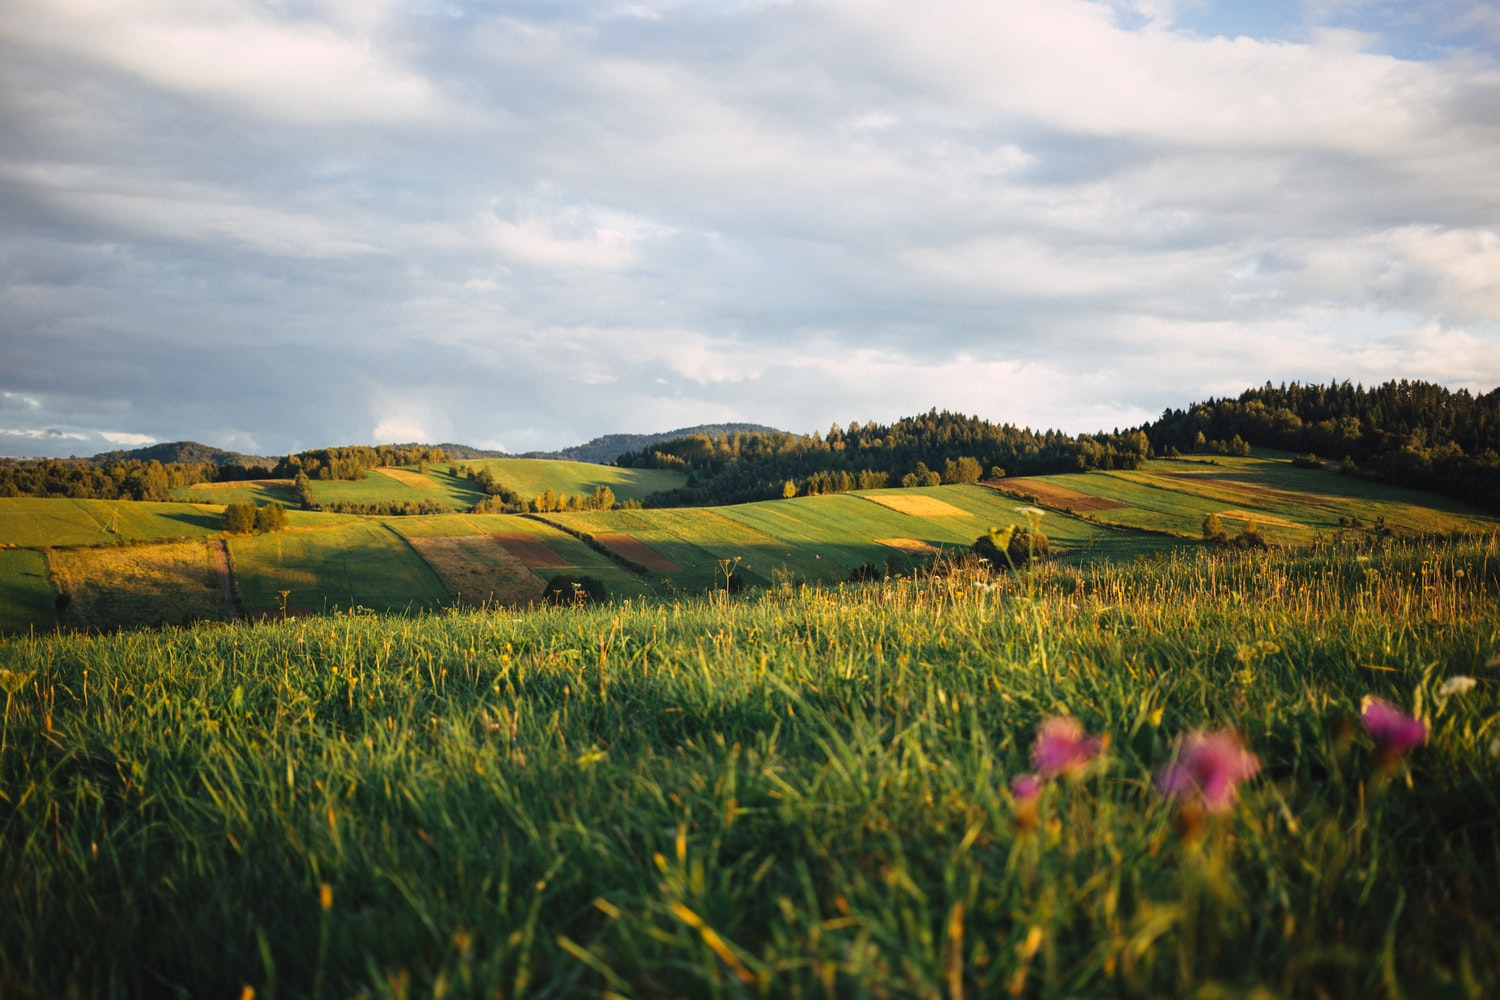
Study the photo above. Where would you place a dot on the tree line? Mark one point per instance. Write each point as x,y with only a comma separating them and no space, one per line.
932,448
1408,433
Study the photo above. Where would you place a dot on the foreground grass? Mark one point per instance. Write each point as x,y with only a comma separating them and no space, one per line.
798,794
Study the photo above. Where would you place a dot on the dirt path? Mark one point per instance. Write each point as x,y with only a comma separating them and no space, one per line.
226,585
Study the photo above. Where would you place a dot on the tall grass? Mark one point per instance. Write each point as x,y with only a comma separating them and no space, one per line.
798,793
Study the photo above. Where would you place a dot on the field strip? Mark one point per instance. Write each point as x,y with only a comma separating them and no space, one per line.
1240,515
637,551
910,546
479,569
234,485
917,505
416,480
530,550
1058,496
1249,488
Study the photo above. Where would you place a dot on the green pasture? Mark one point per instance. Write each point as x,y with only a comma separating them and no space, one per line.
805,792
530,477
26,595
696,539
257,491
32,522
1174,496
362,564
377,487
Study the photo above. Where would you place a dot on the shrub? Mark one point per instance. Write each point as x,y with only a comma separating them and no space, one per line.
239,518
1011,548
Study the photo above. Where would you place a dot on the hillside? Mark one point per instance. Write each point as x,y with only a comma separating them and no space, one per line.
96,564
604,450
183,453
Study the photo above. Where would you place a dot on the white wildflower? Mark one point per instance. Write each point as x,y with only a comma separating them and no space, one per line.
1457,684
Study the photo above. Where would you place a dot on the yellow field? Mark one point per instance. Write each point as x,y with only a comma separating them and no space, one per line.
406,477
171,583
910,546
240,484
479,569
1262,519
917,505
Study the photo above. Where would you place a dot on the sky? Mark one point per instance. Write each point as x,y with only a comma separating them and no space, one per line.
272,225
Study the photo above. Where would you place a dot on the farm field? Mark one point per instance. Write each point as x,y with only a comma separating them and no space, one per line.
257,491
530,477
505,558
169,583
428,562
1291,504
26,596
801,792
362,564
29,522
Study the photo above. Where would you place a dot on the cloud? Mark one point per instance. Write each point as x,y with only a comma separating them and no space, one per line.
125,438
309,223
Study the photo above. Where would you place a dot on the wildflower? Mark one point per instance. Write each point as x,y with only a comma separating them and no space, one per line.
1393,731
1457,684
1026,787
1208,767
1062,747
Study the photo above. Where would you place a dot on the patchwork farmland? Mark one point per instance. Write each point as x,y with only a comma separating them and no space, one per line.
66,565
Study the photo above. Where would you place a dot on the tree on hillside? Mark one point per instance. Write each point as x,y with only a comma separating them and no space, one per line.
271,517
239,518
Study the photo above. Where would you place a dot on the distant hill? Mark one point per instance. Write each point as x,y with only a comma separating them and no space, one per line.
461,452
183,452
604,450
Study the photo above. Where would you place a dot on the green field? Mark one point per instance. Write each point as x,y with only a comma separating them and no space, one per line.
29,522
26,595
531,476
409,563
805,792
358,565
1293,505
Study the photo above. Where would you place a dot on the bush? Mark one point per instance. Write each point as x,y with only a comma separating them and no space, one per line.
1011,548
271,517
239,518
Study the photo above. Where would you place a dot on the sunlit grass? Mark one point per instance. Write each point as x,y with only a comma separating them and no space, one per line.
804,792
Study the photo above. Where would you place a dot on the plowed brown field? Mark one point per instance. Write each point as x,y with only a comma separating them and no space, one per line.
638,551
530,549
1058,496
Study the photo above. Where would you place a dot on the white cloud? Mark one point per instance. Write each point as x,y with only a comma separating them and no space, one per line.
545,222
239,53
126,438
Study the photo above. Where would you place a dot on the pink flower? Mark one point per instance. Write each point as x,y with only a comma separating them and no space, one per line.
1026,787
1393,731
1208,765
1062,747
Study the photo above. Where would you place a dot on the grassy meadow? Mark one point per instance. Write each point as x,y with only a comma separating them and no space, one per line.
530,477
803,791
